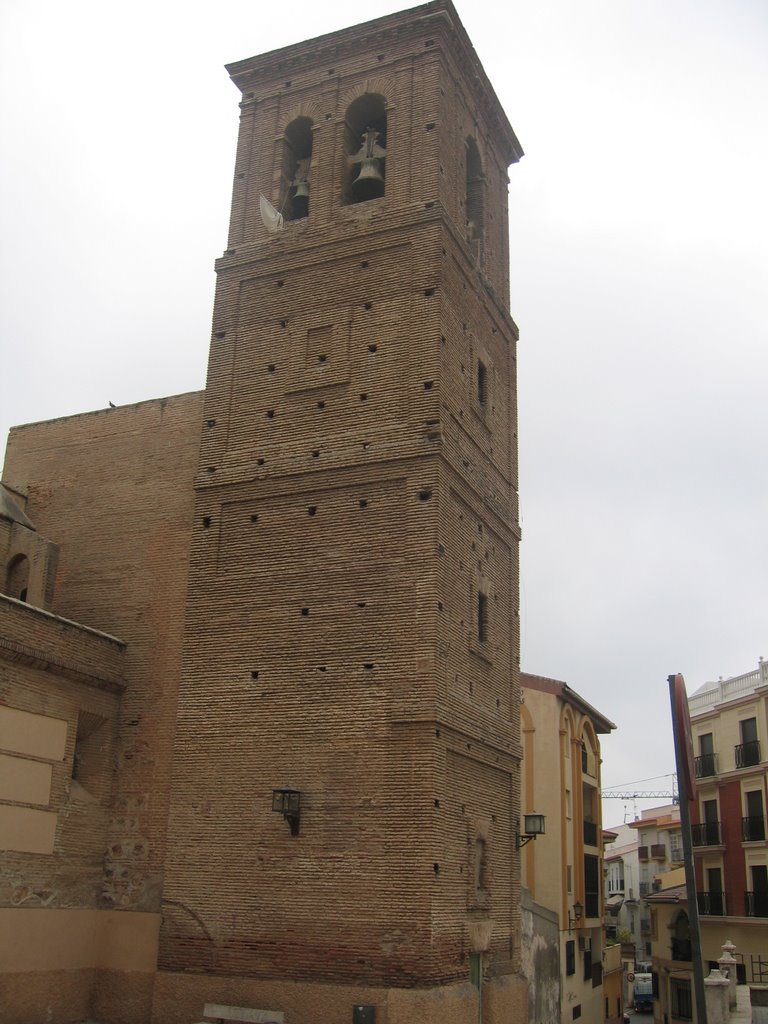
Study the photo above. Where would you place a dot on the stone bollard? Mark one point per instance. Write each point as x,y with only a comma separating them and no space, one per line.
716,996
728,966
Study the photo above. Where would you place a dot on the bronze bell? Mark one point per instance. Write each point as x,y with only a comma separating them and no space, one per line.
369,169
369,183
302,189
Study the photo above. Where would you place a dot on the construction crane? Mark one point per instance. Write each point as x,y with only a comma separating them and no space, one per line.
625,793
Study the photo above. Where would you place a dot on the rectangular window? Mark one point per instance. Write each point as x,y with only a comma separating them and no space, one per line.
753,825
748,751
680,998
748,730
569,877
588,964
591,886
576,1012
482,617
706,763
570,957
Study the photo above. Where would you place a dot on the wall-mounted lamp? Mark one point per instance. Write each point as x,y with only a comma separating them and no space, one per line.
577,912
288,803
533,826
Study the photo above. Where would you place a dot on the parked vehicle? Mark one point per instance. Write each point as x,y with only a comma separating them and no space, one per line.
642,993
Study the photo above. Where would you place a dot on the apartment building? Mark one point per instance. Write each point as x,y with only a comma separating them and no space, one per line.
729,722
659,850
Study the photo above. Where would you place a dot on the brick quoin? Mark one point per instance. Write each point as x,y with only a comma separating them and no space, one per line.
315,577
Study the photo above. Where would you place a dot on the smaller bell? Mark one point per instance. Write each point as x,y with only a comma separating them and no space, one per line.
300,190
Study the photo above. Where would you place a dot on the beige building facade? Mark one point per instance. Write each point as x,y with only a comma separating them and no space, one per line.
259,685
563,869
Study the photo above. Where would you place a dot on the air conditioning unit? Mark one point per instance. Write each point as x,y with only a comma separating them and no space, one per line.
585,944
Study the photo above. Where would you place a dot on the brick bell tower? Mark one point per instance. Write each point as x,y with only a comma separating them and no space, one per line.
341,843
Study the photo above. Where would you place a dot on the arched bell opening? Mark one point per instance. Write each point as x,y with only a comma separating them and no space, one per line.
297,161
365,148
17,578
474,198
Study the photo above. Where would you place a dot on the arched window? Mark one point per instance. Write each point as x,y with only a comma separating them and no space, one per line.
681,937
365,148
474,198
297,160
17,577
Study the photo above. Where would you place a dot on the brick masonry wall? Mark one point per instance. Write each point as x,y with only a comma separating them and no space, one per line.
354,495
113,490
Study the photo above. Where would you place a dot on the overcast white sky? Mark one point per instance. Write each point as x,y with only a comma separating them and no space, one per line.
639,225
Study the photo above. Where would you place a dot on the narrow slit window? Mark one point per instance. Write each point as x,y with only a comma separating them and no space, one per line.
474,198
482,384
482,617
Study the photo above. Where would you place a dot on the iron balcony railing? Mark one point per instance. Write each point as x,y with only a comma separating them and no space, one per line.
747,754
756,904
705,765
706,834
591,904
753,829
712,904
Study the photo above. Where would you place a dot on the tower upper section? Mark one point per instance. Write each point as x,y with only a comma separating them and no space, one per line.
331,138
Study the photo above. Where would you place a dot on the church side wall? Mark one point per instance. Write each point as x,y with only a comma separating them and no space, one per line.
113,489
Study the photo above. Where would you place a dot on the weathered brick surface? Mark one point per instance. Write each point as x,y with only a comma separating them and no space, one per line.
355,495
113,490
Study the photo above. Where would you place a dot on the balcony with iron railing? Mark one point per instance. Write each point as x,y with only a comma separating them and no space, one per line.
645,888
645,926
705,765
747,754
753,829
711,904
756,904
591,904
707,833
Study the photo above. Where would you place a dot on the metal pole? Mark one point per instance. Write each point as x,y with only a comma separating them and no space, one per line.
682,760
